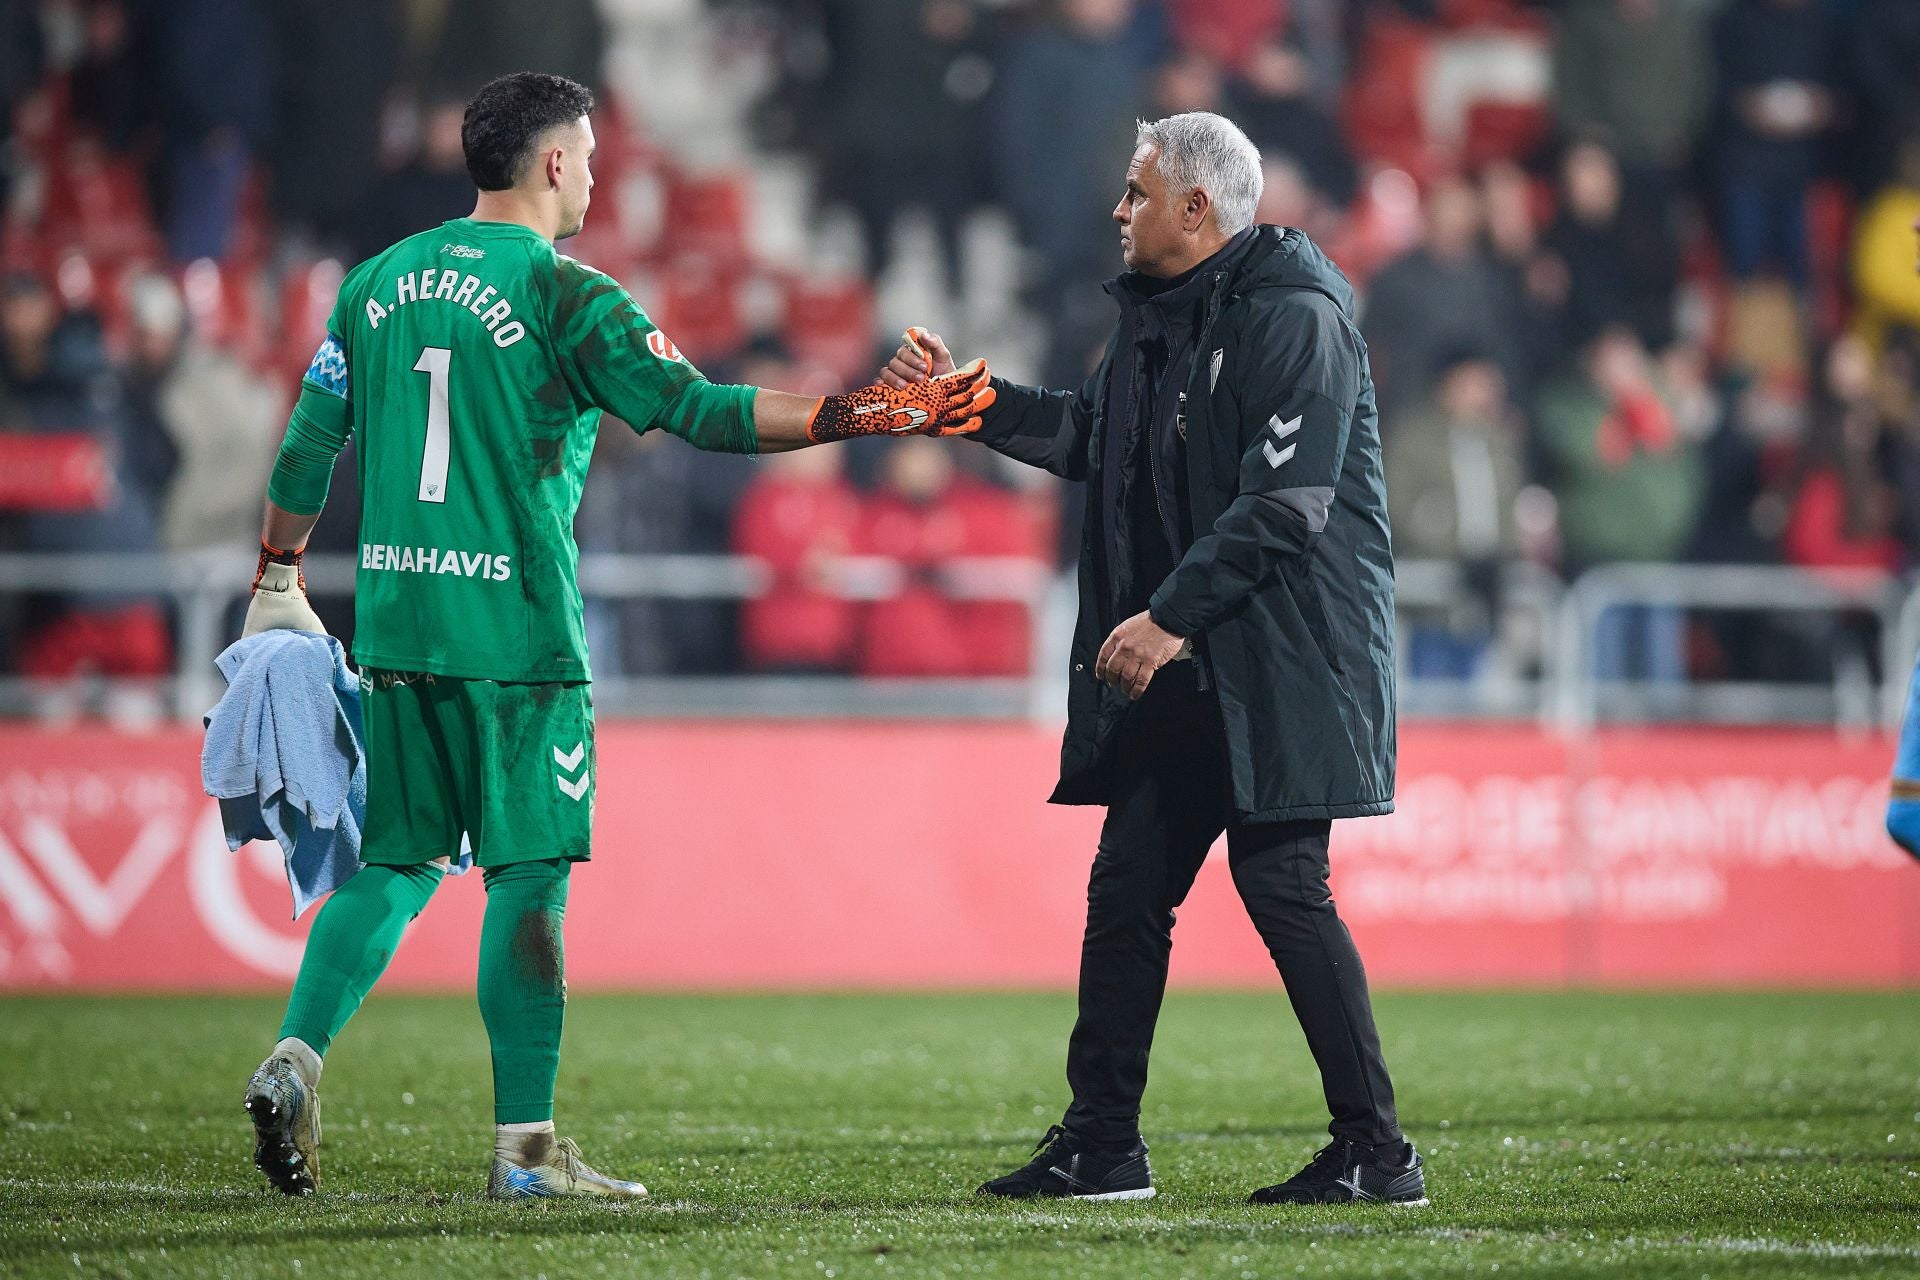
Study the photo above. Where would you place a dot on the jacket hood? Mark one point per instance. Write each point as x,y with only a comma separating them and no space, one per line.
1284,258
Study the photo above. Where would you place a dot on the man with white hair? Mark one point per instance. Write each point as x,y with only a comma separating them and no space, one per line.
1233,659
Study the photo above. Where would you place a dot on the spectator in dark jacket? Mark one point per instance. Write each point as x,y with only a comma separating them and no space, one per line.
1272,98
1447,293
1621,262
1635,76
1777,63
1237,520
111,84
333,93
217,70
1885,50
894,60
1083,77
425,191
21,56
476,40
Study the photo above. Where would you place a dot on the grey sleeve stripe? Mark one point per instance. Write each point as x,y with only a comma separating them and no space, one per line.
1307,504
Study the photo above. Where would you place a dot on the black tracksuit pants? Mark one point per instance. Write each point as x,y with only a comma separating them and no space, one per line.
1171,799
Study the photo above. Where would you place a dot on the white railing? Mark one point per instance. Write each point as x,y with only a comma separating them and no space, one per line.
1851,700
206,591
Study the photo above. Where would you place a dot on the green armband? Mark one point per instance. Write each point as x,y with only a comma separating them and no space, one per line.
316,433
718,419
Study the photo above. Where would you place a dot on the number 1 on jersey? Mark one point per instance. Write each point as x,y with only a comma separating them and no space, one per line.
434,362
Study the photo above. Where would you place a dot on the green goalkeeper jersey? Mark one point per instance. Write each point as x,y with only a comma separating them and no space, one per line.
472,362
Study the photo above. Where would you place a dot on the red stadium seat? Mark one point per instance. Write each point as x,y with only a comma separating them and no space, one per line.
999,523
1506,15
99,203
131,642
307,295
796,624
24,247
1505,131
1382,104
699,308
830,323
1830,214
1226,30
707,215
53,471
252,240
622,144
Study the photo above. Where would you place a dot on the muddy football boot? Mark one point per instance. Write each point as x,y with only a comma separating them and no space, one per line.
286,1126
534,1165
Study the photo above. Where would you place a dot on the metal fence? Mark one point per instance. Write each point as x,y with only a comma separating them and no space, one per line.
1546,637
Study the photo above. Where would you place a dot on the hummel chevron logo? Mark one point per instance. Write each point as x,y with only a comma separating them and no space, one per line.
1281,430
568,762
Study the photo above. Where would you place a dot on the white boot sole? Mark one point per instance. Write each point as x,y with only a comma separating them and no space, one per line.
1138,1193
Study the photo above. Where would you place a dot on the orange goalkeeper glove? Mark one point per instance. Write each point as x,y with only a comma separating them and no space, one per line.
945,406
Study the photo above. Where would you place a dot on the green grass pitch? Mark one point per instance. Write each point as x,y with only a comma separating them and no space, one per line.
839,1136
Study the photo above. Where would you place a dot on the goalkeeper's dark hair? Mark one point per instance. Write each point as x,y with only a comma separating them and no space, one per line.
506,118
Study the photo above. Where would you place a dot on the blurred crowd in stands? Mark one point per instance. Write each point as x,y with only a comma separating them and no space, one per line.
1638,282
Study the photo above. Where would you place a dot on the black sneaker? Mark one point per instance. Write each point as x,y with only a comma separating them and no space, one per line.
1343,1171
1067,1167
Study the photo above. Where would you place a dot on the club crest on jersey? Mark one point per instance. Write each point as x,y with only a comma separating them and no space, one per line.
662,346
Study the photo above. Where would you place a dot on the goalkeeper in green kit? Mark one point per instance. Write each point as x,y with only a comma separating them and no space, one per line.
473,361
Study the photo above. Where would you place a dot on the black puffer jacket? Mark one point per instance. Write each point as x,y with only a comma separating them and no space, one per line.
1288,589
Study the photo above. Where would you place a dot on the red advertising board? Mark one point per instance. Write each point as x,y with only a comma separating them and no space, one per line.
53,471
900,855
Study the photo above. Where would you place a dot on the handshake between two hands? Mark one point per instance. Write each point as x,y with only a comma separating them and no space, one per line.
921,400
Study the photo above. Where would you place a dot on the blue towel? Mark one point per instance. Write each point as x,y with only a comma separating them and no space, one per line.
283,757
1903,810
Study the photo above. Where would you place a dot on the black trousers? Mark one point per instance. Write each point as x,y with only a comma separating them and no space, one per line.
1172,797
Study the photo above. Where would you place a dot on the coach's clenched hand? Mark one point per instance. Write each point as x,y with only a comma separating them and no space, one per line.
923,354
1137,648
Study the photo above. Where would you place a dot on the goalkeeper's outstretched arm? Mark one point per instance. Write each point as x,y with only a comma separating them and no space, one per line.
738,419
617,360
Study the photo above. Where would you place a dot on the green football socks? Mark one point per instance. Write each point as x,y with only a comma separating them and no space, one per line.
523,985
353,938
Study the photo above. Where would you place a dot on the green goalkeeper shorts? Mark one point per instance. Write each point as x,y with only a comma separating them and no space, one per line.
509,765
